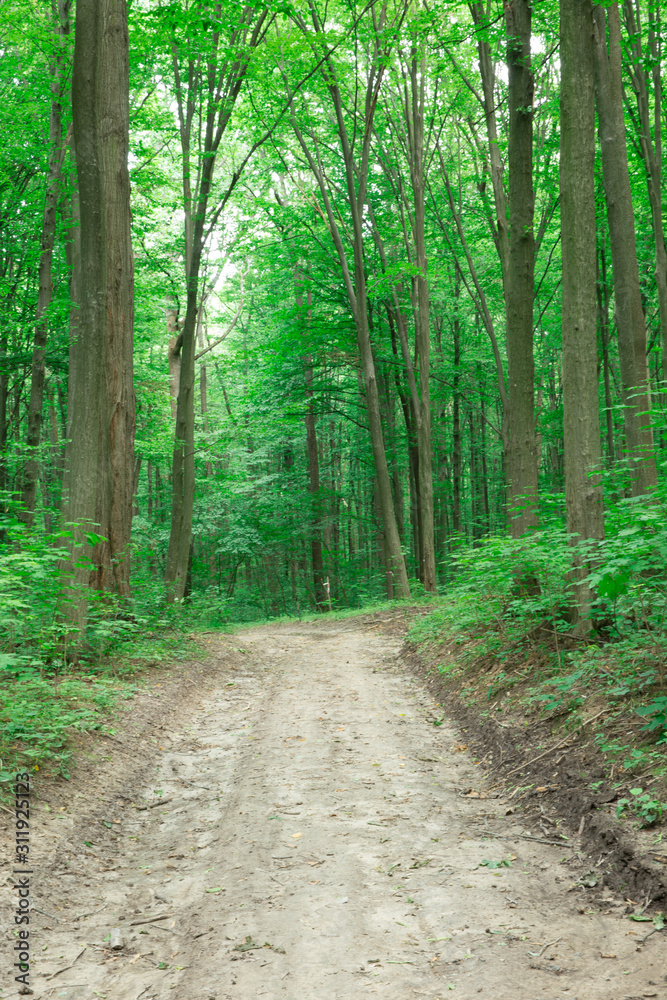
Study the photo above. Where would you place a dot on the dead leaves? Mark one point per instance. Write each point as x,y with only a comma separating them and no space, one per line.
250,945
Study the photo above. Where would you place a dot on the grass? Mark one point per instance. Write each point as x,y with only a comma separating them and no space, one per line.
43,710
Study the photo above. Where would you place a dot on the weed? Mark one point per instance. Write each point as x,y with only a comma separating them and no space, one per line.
657,711
647,810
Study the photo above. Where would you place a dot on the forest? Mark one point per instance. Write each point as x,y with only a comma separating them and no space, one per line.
309,305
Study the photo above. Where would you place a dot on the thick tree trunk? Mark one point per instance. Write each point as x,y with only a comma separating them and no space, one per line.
583,493
397,485
183,461
173,356
100,458
522,446
630,321
53,190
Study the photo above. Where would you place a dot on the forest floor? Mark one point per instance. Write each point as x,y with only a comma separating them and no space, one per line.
284,820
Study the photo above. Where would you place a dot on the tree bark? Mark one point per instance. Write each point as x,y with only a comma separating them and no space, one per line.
581,424
522,446
100,458
630,321
415,118
487,73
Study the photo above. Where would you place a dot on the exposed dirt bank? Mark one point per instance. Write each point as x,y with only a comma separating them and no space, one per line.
288,823
553,774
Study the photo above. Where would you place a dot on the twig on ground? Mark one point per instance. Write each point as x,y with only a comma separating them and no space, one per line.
51,916
558,745
67,967
151,920
540,840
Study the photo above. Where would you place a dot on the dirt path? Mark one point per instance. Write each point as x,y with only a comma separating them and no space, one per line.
304,832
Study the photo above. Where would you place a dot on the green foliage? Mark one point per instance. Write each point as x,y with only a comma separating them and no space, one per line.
31,632
558,693
647,810
657,713
40,714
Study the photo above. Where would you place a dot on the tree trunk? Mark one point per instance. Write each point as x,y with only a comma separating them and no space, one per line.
456,415
100,459
422,332
651,144
630,321
53,190
581,424
603,316
522,450
203,403
487,73
4,423
204,105
313,468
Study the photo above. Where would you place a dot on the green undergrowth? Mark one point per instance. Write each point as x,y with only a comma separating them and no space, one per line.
510,652
44,708
56,682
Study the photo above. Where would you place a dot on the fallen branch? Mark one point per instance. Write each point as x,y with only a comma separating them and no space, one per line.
67,967
152,920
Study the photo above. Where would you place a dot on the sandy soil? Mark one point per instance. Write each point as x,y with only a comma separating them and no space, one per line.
299,829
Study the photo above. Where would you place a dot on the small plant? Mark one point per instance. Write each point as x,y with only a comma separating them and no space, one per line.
657,711
647,810
561,697
503,863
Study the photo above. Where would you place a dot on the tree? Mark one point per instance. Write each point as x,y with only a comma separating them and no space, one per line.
522,447
206,85
644,64
581,424
99,477
629,312
355,149
54,182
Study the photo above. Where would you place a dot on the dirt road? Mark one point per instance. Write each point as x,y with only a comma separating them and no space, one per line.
302,831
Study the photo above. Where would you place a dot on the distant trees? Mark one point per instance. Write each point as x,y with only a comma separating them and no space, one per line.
445,295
